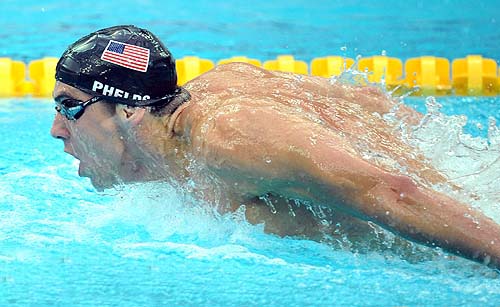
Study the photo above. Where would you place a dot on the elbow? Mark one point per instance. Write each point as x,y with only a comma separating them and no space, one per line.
402,186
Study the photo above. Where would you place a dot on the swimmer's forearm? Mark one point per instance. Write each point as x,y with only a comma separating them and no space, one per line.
397,203
434,219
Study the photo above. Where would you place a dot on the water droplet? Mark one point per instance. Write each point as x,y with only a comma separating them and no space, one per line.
487,259
268,203
290,210
343,48
383,53
268,160
313,140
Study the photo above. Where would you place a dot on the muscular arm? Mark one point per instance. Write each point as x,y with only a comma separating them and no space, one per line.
273,151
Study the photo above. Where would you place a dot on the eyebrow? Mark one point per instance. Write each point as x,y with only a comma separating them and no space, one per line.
61,97
63,94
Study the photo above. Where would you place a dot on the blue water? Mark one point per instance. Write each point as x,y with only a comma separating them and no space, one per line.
64,244
478,110
262,29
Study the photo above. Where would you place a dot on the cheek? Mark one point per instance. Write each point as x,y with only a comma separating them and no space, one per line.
99,144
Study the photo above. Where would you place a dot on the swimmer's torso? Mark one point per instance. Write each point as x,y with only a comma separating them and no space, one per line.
353,113
219,119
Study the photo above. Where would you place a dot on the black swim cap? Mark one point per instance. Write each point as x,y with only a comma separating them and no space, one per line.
126,63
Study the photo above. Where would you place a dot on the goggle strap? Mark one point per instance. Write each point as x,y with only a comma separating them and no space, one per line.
92,100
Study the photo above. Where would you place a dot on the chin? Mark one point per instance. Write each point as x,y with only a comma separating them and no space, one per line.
97,179
100,184
98,188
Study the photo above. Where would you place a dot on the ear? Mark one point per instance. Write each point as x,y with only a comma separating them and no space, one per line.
129,115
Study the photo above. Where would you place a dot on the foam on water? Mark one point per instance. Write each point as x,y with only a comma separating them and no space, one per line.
471,163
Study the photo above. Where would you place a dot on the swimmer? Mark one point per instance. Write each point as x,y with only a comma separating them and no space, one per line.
247,136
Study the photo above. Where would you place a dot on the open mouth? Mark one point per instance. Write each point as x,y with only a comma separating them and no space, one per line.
80,169
71,154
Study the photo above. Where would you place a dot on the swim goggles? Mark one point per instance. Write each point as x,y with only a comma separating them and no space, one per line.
73,109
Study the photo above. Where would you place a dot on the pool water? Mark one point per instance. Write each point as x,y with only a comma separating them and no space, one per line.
64,244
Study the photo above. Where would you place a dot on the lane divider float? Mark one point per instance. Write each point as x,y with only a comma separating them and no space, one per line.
425,75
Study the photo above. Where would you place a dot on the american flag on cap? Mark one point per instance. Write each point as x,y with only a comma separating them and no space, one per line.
126,55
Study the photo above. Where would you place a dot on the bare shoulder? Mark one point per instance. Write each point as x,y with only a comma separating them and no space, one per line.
247,135
257,141
231,75
246,79
241,68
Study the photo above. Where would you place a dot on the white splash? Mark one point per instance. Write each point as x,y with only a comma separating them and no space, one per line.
472,163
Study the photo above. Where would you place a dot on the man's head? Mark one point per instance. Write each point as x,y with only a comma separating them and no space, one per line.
105,82
127,64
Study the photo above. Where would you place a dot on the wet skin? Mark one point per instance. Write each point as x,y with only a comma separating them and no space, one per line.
253,133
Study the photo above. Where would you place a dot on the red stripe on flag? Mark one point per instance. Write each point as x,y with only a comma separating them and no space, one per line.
131,54
136,50
135,54
135,47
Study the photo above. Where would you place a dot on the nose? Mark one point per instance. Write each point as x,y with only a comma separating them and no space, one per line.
59,129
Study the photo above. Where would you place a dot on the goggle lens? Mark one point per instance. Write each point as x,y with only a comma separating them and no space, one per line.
73,109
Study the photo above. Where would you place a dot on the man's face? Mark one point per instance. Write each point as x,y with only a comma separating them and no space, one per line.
94,139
